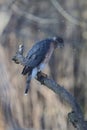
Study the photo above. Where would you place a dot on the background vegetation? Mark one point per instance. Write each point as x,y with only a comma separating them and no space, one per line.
28,21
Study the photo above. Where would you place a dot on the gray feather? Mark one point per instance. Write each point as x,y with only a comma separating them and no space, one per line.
37,54
28,83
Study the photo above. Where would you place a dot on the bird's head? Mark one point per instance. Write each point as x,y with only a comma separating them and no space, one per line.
59,42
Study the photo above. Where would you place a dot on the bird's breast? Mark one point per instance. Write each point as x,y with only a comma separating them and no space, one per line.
49,53
47,58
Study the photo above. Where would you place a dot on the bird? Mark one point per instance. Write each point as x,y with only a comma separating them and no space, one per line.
38,56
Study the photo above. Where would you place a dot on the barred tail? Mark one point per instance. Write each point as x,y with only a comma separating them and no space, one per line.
28,84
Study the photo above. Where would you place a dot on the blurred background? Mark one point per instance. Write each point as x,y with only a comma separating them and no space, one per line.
28,21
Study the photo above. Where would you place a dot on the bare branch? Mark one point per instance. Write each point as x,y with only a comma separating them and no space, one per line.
19,58
67,15
33,17
76,116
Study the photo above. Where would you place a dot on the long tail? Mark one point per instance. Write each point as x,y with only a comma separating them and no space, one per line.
27,83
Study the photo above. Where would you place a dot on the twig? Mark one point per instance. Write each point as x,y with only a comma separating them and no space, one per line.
33,17
66,15
76,116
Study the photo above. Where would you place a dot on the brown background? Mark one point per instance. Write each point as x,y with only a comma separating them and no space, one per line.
28,21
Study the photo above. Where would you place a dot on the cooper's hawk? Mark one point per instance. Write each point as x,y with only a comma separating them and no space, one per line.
38,56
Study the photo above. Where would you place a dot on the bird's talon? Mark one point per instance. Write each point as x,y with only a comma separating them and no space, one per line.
41,76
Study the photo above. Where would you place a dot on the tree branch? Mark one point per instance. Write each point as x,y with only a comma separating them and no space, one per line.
33,17
66,15
76,116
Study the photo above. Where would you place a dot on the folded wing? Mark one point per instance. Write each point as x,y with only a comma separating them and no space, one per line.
36,55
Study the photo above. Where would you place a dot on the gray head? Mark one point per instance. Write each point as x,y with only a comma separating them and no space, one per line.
59,42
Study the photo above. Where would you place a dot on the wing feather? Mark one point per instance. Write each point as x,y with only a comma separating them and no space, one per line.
36,55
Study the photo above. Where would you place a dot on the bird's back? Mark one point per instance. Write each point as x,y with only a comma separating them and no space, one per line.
36,55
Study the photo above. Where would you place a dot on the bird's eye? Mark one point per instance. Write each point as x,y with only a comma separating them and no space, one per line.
60,40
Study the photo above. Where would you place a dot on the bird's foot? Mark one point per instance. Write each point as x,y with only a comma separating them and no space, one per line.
41,76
